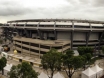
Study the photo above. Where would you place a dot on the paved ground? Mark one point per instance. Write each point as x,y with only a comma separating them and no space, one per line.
76,74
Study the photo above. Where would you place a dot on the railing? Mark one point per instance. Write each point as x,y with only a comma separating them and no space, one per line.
56,27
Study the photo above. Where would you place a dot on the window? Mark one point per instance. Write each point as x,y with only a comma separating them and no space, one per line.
42,52
66,45
27,43
77,26
64,26
97,27
19,24
58,47
17,45
46,47
18,51
31,25
35,51
25,48
33,44
18,41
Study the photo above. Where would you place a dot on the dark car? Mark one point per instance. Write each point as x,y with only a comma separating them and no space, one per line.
6,48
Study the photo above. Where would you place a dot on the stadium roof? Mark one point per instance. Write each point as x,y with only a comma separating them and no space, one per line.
58,20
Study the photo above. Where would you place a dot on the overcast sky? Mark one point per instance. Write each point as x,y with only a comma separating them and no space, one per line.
37,9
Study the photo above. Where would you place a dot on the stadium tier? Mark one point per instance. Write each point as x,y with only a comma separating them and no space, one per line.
38,36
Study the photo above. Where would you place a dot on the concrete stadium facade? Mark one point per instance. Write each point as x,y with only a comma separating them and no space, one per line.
63,33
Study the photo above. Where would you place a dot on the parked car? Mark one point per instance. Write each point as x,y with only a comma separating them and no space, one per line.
1,49
6,48
4,54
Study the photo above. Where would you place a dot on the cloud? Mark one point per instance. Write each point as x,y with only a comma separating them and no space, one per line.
32,9
12,8
98,3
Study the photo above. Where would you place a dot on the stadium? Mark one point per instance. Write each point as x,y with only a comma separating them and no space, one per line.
38,36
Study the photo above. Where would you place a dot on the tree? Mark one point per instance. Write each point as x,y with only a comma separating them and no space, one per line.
1,41
81,50
86,59
86,53
89,50
23,70
84,50
51,61
103,49
71,63
3,62
1,24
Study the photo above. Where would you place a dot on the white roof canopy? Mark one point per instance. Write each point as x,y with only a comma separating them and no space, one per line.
89,72
76,53
96,68
58,75
8,67
42,75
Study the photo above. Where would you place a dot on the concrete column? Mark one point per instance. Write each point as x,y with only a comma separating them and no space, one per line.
25,24
42,35
72,33
90,26
30,34
25,32
39,33
72,25
62,49
38,25
29,48
87,37
17,31
47,35
101,39
14,44
55,25
22,32
55,34
39,50
21,47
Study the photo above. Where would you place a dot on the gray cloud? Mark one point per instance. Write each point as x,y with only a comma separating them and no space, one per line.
79,9
12,8
98,3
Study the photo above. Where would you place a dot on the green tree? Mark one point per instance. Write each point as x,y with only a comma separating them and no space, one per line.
86,58
71,63
23,70
86,53
1,24
103,49
51,61
1,41
84,50
89,50
81,50
3,62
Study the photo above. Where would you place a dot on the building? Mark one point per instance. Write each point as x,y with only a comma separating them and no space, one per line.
38,36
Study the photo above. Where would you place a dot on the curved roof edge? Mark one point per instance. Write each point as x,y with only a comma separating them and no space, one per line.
58,20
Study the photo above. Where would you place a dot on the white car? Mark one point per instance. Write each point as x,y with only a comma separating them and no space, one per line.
4,54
